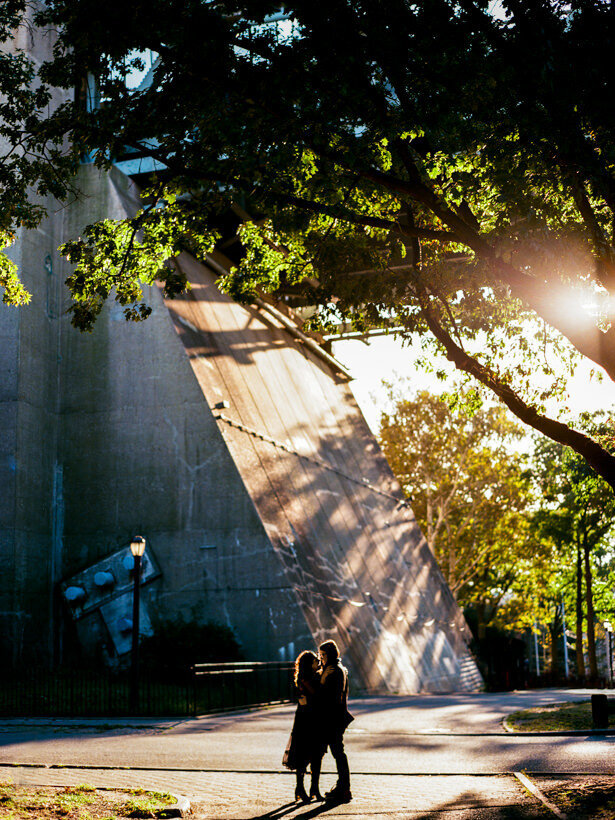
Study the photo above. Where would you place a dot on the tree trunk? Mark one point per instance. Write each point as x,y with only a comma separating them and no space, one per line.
591,636
579,616
480,617
553,638
452,557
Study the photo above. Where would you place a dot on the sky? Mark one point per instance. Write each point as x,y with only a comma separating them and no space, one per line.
385,358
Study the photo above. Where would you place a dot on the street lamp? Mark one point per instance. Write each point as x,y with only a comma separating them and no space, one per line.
137,548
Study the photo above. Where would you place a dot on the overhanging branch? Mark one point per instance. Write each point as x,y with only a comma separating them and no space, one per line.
596,456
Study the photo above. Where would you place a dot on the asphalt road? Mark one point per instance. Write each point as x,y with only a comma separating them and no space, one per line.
393,736
412,758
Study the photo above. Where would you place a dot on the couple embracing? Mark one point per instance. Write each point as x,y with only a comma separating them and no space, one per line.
320,721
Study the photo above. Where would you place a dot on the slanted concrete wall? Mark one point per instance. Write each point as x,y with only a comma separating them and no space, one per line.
141,453
111,434
353,552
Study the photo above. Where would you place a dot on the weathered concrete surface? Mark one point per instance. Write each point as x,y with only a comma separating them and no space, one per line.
353,553
142,453
113,433
29,372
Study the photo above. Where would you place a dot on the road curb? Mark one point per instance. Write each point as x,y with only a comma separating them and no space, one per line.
533,789
181,808
562,733
108,768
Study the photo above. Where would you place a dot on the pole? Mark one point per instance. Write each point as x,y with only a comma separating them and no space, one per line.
536,648
565,641
134,676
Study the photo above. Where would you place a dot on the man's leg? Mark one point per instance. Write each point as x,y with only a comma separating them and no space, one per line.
336,744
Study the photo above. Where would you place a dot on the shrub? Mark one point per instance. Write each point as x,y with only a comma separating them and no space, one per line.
176,645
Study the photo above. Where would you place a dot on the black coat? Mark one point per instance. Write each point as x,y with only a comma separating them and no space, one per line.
333,700
306,742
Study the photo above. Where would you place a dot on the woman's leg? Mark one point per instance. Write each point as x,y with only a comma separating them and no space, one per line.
315,765
300,793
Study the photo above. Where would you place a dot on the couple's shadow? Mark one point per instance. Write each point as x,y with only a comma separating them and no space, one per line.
287,808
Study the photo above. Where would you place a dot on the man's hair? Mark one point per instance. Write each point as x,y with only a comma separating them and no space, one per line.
331,651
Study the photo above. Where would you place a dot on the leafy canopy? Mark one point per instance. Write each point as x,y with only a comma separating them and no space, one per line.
425,164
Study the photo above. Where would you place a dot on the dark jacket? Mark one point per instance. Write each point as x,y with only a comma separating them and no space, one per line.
334,699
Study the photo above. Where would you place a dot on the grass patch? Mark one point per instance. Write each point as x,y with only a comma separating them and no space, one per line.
582,797
556,717
81,802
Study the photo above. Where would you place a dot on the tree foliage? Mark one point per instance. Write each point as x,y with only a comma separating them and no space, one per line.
577,515
471,494
34,162
422,163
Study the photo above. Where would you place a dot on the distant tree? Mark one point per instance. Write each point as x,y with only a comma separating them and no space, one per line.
470,492
577,514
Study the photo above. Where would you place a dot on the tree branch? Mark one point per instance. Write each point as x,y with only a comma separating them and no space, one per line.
605,262
595,455
580,329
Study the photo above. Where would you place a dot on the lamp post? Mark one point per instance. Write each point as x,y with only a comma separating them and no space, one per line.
137,548
609,651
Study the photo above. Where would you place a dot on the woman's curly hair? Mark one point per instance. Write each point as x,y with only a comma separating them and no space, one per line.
303,665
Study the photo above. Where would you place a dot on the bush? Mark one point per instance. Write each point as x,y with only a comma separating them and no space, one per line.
176,645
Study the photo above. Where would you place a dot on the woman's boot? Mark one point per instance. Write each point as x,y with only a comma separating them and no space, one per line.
300,792
314,791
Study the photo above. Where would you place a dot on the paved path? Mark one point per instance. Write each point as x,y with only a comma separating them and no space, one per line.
230,796
411,757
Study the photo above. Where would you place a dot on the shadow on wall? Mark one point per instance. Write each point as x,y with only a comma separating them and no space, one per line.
358,563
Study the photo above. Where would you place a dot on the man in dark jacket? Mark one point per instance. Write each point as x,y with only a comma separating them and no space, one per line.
335,716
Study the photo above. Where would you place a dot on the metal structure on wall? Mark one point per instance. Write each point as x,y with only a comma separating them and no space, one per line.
233,442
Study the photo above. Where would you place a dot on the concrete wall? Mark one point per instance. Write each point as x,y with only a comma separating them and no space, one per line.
141,453
29,373
111,434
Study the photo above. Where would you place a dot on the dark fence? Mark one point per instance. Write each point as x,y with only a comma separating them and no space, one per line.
219,686
80,693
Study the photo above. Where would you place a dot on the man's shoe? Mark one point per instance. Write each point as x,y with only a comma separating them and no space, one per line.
338,795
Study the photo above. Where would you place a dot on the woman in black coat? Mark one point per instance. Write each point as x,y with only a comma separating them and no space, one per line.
306,742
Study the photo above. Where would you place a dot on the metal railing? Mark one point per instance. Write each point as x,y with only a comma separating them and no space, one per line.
82,693
220,686
206,687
